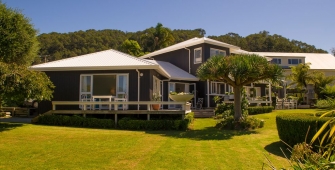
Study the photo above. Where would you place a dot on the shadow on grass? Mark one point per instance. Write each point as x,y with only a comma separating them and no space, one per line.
9,126
208,133
274,148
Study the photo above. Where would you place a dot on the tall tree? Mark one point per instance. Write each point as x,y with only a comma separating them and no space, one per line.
18,49
333,51
131,47
238,71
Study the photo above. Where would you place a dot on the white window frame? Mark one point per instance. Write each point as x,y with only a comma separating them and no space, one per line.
92,84
225,53
290,59
199,59
277,59
216,88
156,85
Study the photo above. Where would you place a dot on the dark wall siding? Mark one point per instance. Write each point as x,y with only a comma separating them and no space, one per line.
67,86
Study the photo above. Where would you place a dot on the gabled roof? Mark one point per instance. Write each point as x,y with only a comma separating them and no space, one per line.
114,60
103,60
173,72
318,61
188,43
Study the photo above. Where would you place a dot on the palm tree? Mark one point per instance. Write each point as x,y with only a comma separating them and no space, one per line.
300,75
238,71
320,81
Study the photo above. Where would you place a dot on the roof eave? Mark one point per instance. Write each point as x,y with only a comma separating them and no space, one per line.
94,68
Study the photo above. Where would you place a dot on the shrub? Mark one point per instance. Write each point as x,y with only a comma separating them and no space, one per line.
222,107
292,128
327,92
245,124
75,121
2,114
131,124
259,110
328,103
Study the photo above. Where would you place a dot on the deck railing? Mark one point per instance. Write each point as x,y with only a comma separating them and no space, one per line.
185,105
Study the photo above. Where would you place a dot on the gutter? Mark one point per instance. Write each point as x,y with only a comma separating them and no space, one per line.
189,59
138,88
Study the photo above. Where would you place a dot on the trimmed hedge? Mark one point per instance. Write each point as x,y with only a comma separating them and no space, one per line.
130,124
75,121
259,110
292,128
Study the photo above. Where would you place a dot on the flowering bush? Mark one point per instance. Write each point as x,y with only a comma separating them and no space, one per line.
156,97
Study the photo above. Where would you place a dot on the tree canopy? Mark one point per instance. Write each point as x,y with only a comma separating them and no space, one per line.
238,71
264,42
55,46
18,48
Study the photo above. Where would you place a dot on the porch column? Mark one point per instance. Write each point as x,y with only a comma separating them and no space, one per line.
207,93
253,97
270,93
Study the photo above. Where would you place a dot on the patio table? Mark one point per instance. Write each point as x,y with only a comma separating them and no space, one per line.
109,97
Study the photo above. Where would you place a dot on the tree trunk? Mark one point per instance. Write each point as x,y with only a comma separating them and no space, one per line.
237,103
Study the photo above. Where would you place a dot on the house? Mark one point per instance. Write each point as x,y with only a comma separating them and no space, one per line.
107,72
173,68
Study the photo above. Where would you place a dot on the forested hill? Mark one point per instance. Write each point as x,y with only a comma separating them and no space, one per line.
55,46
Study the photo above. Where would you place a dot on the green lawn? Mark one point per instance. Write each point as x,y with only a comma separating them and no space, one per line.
27,146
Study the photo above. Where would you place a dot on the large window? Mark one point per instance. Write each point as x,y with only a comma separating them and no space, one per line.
294,61
217,52
276,61
198,55
156,86
103,84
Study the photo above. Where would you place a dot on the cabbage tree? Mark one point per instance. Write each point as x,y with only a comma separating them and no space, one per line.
238,71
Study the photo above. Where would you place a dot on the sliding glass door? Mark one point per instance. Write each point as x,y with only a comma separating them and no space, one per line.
115,85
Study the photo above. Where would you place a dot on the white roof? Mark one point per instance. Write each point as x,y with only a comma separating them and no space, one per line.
318,61
188,43
103,60
173,72
114,60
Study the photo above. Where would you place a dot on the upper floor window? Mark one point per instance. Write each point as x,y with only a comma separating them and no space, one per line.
217,52
294,61
198,55
276,61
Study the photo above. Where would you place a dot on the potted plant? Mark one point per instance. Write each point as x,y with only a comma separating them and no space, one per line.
231,95
226,97
156,97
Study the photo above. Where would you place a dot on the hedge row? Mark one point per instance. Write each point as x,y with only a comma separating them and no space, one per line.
75,121
292,128
259,110
127,123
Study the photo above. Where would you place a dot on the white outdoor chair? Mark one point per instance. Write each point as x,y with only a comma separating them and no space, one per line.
84,98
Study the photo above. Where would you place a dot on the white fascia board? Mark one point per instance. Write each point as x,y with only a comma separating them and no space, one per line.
93,68
196,42
185,79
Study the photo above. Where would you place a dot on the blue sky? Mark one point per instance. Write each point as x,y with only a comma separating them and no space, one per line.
310,21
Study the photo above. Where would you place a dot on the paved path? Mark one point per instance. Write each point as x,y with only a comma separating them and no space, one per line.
16,119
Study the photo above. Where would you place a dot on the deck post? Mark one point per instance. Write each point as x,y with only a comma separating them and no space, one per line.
115,106
148,106
115,119
53,107
148,117
84,115
183,116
